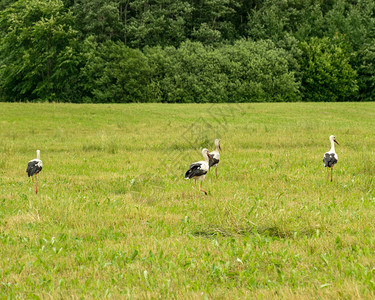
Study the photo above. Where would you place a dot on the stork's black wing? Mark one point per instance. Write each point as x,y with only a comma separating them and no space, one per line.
215,158
195,171
329,159
213,162
33,168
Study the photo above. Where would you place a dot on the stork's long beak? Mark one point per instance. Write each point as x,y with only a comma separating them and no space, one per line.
210,157
219,147
336,142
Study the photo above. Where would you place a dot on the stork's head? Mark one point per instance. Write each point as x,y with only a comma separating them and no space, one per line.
206,154
333,138
217,144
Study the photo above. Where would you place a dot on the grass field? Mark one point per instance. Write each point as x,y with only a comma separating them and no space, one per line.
115,218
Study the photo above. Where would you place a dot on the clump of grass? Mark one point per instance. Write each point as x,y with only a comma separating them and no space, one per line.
92,147
3,163
112,147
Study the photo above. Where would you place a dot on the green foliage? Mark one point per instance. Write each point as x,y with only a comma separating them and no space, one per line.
207,35
98,18
327,73
366,70
354,20
187,50
255,71
275,19
5,3
37,51
190,73
260,71
114,73
157,22
211,21
312,18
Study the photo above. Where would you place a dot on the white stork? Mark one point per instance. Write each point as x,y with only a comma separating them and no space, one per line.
33,168
198,170
215,157
330,157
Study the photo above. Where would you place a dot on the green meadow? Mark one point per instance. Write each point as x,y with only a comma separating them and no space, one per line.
114,216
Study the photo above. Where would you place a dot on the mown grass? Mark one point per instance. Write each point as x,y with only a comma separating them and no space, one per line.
115,218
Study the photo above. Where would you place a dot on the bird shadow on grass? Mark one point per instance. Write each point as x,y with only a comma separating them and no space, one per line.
268,231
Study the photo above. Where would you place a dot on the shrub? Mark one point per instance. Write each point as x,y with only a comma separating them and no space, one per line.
115,73
327,73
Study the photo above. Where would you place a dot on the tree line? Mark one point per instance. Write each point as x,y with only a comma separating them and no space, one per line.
187,50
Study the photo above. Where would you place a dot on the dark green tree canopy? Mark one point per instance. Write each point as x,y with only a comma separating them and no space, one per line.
37,50
187,50
328,75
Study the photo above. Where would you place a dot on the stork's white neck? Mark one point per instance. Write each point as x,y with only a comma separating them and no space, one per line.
37,154
332,146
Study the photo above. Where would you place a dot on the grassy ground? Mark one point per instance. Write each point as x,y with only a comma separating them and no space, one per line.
114,216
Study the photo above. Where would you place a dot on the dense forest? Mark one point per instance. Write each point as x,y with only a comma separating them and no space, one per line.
187,50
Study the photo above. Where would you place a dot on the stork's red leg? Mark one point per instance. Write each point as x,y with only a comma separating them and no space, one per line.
36,183
216,171
195,180
331,173
202,189
209,172
32,177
